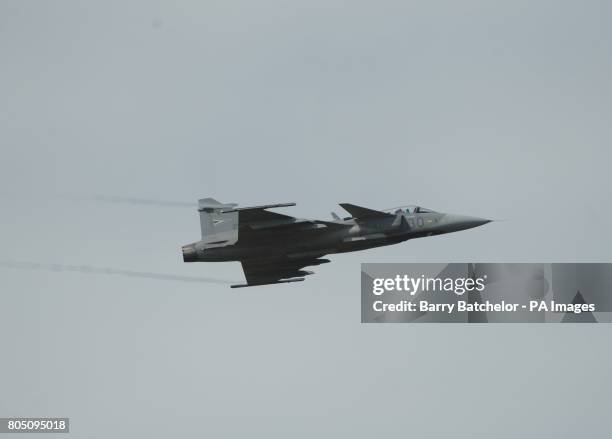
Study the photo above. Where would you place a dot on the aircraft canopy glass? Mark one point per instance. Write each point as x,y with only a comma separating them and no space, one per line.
423,210
412,209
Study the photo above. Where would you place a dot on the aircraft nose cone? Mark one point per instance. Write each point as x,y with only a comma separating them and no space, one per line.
462,222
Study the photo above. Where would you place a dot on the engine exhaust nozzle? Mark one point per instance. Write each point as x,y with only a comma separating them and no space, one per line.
189,253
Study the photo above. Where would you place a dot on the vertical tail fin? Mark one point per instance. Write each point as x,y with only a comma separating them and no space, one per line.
212,218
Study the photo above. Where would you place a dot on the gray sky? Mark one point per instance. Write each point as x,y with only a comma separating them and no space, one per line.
493,109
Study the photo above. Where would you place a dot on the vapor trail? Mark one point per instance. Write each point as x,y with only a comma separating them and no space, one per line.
87,269
132,200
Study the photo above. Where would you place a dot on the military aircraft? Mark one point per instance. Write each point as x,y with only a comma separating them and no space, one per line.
274,248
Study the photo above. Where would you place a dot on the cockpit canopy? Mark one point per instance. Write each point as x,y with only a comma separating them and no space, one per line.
409,210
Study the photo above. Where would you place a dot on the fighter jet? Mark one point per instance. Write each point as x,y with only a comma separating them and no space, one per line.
275,248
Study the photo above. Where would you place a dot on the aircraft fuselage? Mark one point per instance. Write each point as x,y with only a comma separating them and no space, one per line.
356,234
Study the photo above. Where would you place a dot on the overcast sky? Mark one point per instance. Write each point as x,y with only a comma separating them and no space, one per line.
493,109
